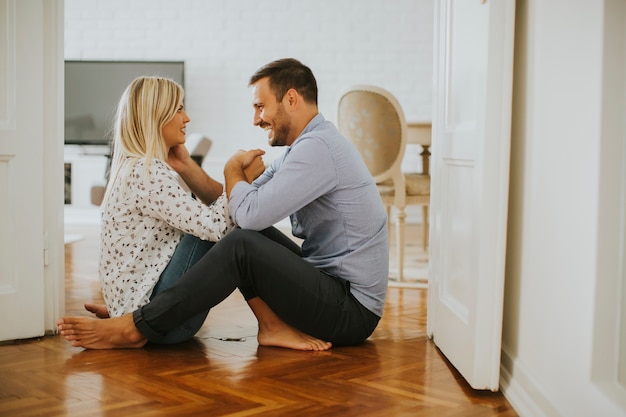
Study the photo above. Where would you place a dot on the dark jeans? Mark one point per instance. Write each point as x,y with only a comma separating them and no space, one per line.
269,265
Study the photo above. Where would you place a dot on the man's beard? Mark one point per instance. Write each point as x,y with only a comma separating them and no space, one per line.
282,126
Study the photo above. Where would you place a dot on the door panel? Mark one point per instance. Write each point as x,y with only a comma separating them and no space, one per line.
457,223
470,167
21,169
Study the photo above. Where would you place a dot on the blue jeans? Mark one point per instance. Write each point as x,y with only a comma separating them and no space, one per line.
189,251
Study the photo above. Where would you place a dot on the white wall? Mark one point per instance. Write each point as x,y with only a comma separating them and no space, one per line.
551,337
223,42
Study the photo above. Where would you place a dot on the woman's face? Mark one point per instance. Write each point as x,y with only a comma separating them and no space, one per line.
174,130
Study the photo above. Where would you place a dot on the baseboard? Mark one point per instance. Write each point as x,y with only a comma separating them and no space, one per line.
522,390
81,215
69,238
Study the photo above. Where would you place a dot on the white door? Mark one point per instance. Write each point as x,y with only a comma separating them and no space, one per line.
24,124
473,73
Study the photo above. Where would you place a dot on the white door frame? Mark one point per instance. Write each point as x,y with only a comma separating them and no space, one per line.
54,82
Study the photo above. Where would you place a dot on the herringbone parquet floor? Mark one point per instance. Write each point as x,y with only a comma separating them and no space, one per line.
398,372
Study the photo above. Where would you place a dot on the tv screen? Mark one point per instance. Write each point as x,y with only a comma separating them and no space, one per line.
93,89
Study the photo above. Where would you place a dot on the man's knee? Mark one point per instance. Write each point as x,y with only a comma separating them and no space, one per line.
240,241
241,235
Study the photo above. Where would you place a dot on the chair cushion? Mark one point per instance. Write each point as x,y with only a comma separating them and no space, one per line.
416,184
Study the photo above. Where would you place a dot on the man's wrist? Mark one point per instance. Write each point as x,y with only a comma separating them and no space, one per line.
232,175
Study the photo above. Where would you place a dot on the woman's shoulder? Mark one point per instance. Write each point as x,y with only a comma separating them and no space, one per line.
156,166
157,174
143,161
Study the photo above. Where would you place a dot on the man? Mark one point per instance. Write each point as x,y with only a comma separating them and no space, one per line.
330,291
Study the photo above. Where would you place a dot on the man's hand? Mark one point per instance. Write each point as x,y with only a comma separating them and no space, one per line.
256,168
243,160
235,168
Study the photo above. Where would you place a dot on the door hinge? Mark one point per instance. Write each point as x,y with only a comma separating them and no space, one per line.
46,256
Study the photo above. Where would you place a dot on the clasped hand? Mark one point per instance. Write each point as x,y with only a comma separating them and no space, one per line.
250,162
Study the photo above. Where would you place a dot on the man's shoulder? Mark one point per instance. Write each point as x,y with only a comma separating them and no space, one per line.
323,134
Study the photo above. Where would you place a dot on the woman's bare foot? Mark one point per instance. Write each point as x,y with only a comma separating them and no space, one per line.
112,333
100,310
273,331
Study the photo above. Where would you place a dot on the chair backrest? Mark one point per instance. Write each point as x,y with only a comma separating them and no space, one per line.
371,118
198,146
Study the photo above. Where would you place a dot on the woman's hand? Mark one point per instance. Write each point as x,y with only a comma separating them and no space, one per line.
178,158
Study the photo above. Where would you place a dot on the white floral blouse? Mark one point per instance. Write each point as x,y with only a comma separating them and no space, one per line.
142,223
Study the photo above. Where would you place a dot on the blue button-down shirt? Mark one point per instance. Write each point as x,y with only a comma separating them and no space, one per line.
324,187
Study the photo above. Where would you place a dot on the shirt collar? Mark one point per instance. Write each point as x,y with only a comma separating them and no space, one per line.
315,122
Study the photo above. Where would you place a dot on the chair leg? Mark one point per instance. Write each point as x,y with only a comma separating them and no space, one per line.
425,230
400,219
388,208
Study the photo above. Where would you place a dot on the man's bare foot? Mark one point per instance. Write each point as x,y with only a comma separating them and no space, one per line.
112,333
288,337
273,331
100,310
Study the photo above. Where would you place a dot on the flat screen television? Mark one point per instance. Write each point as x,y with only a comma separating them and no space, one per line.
93,89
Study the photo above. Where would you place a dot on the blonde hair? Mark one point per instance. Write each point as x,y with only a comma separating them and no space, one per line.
146,105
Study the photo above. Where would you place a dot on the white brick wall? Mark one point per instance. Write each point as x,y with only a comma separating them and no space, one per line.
388,43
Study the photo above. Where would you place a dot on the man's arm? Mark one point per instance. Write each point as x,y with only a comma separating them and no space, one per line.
290,183
200,183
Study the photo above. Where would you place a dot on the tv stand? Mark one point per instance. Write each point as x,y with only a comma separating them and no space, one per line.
85,165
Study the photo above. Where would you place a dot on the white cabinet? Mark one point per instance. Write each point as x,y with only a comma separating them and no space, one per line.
85,166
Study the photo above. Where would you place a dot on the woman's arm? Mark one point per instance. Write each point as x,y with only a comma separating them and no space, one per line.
162,197
200,183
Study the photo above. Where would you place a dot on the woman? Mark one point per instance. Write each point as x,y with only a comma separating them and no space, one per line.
152,229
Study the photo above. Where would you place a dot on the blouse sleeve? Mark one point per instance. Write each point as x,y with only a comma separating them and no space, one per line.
162,197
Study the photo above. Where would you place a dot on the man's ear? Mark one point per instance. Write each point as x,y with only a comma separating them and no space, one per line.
292,98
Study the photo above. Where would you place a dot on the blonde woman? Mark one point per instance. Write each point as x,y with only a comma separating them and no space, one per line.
152,229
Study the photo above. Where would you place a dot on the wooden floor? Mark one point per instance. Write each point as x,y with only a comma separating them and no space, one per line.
398,372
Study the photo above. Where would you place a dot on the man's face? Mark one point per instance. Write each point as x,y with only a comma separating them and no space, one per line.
270,115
